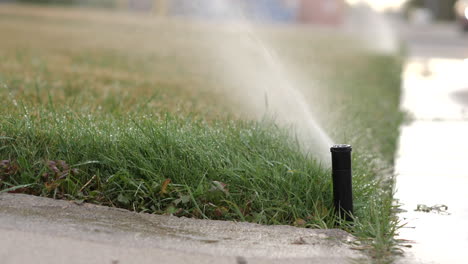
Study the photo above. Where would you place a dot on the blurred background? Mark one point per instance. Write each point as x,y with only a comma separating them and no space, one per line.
174,91
293,11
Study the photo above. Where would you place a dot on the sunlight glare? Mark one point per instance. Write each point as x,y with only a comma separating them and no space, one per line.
380,4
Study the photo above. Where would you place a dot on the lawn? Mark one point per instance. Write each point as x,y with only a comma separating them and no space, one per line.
129,110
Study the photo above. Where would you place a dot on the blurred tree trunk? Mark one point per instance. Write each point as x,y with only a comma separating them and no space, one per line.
447,10
442,9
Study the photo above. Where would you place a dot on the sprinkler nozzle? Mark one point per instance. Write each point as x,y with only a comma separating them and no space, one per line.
342,180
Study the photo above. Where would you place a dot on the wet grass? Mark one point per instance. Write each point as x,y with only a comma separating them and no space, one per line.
118,110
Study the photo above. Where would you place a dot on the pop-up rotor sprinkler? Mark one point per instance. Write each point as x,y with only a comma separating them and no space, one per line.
342,181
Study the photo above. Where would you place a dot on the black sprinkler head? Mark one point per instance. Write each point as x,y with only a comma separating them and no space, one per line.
342,180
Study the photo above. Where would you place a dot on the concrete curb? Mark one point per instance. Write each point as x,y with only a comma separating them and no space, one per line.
43,230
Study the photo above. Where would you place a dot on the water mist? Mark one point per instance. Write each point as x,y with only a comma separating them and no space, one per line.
374,29
258,79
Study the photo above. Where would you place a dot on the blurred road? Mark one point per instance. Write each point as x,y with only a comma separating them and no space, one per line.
444,40
432,161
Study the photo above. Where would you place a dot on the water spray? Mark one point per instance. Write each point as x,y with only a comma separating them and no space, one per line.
342,181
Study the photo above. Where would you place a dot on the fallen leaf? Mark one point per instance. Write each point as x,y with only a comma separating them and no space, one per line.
164,186
220,186
300,222
51,186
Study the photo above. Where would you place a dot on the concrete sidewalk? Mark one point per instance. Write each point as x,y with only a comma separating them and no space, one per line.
40,230
432,161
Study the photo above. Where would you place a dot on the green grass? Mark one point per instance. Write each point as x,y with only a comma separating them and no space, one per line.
97,109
